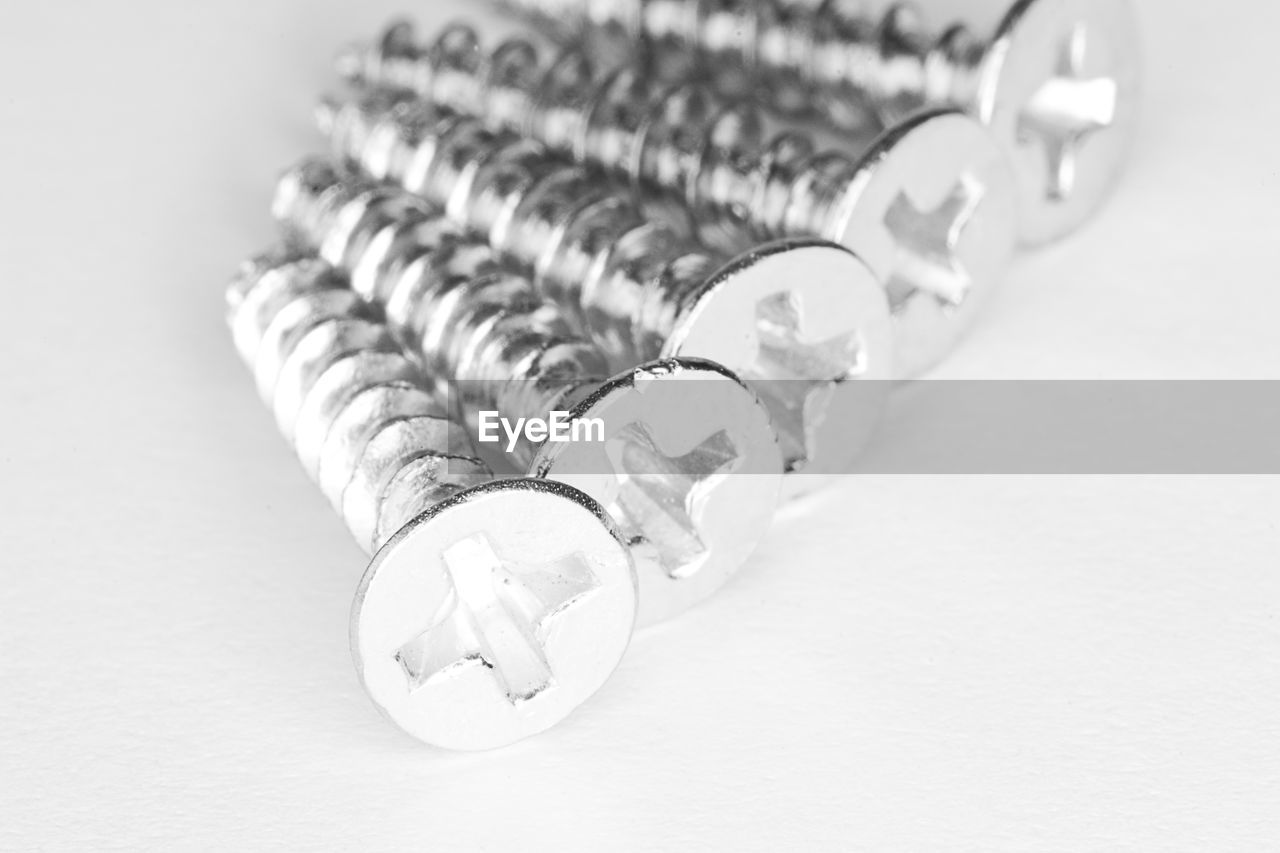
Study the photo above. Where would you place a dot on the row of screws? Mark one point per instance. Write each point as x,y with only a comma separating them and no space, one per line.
382,254
929,206
450,301
801,321
502,232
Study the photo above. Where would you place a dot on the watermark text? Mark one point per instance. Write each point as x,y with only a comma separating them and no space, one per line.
559,427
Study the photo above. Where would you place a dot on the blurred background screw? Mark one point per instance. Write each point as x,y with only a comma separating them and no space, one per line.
1057,82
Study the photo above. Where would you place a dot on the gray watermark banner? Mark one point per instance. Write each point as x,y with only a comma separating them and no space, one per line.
925,427
1079,427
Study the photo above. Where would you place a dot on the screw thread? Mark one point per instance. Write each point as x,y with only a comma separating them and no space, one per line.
353,406
448,299
708,153
836,60
622,277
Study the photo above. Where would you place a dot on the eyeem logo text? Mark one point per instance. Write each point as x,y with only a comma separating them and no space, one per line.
560,427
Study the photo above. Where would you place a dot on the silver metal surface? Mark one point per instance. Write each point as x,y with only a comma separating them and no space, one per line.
798,320
508,350
1057,82
929,206
492,608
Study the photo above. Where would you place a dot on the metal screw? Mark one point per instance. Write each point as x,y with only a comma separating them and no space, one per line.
492,608
1057,82
929,205
689,465
798,320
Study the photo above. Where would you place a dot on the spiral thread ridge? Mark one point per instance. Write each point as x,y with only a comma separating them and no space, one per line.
448,299
835,60
352,405
708,154
622,276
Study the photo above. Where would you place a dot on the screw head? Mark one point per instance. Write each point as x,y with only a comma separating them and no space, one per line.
493,615
690,469
931,210
1060,89
806,325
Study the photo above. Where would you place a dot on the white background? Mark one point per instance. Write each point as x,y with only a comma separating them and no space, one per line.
909,664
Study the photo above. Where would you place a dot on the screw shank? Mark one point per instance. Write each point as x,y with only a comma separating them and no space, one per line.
359,400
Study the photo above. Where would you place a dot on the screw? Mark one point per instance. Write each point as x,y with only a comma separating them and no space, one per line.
689,465
929,205
1057,82
492,608
797,320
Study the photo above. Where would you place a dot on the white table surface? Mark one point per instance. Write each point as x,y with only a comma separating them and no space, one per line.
911,664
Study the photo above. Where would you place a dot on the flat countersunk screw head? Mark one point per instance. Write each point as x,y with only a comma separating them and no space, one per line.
806,324
1060,88
493,615
932,211
689,467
